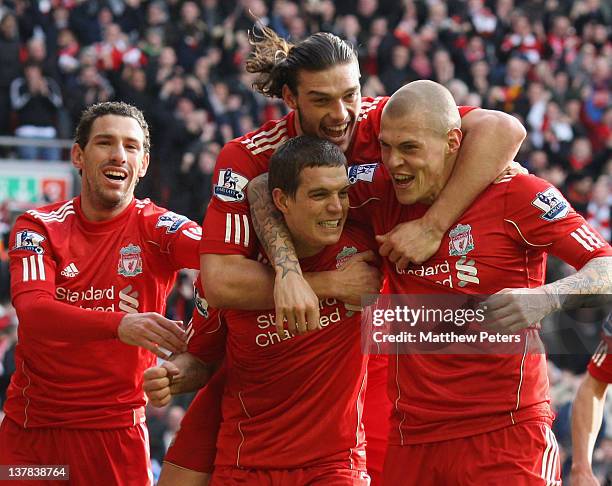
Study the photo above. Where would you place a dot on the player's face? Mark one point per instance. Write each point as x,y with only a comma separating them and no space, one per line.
327,103
316,216
416,157
112,162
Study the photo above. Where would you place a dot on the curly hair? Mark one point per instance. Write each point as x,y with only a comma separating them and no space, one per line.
278,62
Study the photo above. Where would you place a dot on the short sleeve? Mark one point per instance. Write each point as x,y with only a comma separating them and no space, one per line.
210,331
227,227
537,215
31,259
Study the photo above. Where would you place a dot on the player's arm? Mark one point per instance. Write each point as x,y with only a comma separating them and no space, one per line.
491,139
537,216
176,237
587,414
183,373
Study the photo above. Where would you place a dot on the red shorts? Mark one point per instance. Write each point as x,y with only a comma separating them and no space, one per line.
95,456
311,476
376,416
525,454
194,446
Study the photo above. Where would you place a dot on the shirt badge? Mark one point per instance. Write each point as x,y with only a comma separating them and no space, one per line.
230,186
461,241
130,261
29,240
345,255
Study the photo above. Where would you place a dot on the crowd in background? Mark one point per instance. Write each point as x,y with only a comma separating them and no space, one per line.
548,62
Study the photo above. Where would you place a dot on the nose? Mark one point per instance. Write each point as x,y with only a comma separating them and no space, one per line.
334,205
118,153
339,111
392,159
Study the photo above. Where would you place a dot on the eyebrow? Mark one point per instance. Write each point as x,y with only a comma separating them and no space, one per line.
322,94
327,190
109,135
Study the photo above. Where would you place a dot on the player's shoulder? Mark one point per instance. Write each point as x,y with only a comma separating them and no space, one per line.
542,194
158,217
52,214
264,140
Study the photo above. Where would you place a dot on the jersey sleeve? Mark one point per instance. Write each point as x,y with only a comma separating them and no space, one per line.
32,267
600,366
227,226
210,331
175,235
538,216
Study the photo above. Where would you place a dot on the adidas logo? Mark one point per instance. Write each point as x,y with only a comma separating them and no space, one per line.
70,271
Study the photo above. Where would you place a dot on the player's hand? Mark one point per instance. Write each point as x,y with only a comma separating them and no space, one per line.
512,169
511,310
583,477
157,382
414,241
152,331
357,278
296,302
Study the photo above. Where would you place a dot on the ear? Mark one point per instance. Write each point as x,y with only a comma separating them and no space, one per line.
281,200
289,98
454,140
143,166
76,156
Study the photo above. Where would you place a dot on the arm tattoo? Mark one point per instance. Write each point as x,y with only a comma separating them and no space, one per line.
271,228
589,287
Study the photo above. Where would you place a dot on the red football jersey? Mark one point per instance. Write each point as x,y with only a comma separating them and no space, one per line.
72,281
500,242
296,402
600,366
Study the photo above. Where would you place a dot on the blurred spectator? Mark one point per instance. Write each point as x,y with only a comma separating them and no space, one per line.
36,100
600,206
11,68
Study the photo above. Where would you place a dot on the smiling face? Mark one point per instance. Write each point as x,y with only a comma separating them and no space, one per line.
111,163
316,215
419,158
327,103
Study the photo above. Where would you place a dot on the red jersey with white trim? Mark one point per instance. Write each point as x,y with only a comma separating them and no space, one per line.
501,241
227,224
296,402
600,366
72,281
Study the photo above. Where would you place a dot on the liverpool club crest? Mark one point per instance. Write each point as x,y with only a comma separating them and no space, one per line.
130,261
461,242
345,255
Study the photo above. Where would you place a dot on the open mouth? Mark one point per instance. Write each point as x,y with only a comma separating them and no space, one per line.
115,175
330,223
402,180
336,132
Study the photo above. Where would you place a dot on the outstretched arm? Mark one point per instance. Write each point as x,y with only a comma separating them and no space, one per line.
491,139
587,413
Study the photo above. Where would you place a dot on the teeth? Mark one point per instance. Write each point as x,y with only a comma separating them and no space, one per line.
337,130
114,173
330,224
402,178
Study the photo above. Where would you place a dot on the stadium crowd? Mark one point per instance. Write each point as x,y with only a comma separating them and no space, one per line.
547,62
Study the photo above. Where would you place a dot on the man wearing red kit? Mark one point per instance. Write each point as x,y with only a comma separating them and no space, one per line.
292,405
89,281
474,419
318,78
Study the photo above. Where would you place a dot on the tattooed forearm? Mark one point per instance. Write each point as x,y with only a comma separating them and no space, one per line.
271,228
589,287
